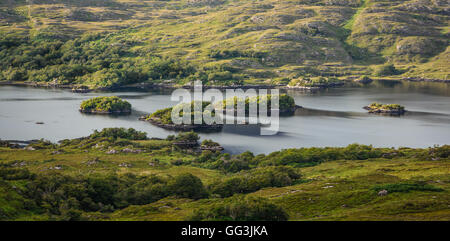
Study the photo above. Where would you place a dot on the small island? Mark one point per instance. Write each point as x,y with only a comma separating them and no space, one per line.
314,83
162,118
364,80
392,109
286,104
105,105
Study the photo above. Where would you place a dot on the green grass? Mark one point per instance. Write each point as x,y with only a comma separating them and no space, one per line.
418,184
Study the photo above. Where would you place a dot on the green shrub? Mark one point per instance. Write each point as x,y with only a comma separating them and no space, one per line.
94,59
164,116
187,136
105,104
439,151
115,133
187,186
241,209
407,187
8,173
255,179
286,102
234,164
386,70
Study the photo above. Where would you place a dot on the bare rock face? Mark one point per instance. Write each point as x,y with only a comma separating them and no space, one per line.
383,193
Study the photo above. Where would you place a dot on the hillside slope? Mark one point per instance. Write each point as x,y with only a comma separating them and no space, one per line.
119,174
115,42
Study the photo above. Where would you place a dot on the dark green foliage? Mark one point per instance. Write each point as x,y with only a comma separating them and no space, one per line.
236,163
226,54
187,136
115,133
407,187
221,74
164,116
187,186
316,82
286,102
98,60
112,104
8,173
386,70
256,179
301,157
209,143
42,144
241,209
66,197
313,156
177,162
440,152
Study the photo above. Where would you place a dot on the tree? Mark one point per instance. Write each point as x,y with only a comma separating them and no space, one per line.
242,209
385,70
187,186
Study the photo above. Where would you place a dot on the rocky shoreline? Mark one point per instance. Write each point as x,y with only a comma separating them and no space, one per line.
184,127
126,112
384,111
315,87
83,89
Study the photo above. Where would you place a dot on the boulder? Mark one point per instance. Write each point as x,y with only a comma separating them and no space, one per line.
383,193
112,152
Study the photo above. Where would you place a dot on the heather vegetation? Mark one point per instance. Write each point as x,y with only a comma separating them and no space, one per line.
125,174
111,43
121,174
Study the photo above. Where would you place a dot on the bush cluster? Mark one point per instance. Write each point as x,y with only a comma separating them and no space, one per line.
241,209
106,104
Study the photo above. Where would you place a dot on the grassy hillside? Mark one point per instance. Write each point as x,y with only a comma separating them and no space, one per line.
119,174
103,43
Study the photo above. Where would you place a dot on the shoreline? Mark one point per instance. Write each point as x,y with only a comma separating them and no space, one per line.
144,86
105,112
174,127
383,111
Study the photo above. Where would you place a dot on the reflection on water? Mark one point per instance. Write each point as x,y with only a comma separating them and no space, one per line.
314,112
331,117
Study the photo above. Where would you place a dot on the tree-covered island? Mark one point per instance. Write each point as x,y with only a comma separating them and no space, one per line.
286,103
105,105
163,117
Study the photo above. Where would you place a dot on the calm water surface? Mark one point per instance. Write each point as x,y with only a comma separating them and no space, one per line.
331,118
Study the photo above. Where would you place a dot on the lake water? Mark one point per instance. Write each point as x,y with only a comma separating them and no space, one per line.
331,117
